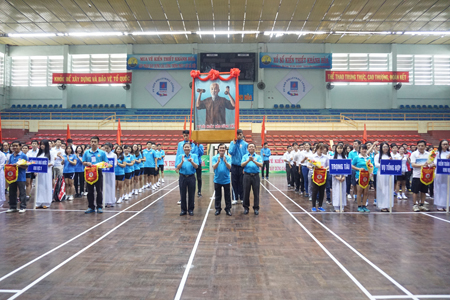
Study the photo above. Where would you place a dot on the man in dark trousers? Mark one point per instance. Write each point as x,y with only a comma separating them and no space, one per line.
265,154
222,164
187,165
91,157
251,163
287,160
238,148
215,105
181,144
20,183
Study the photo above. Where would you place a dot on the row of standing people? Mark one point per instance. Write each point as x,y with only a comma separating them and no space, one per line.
298,167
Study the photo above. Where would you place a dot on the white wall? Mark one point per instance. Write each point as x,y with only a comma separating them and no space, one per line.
350,96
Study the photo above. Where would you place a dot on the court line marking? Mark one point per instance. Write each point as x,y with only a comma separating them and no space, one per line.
358,284
372,213
194,250
398,285
82,210
436,217
72,239
85,248
418,296
9,291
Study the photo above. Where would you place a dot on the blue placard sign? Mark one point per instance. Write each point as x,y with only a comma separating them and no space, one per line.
340,167
443,166
390,167
109,170
40,165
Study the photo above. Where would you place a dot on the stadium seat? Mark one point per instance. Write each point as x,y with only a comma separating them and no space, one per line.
407,106
13,106
34,106
441,106
29,106
281,105
84,106
100,106
79,106
40,106
106,105
117,105
413,106
402,106
74,106
275,106
90,106
424,106
292,105
50,106
435,106
298,106
95,105
123,106
60,106
446,106
430,106
45,106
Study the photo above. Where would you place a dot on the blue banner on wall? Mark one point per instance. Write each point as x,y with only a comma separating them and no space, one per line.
161,61
443,166
246,92
340,166
40,165
390,167
295,61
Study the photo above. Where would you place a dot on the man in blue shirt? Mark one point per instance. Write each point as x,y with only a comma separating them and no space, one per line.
91,157
180,149
187,164
161,162
251,163
199,152
354,153
265,154
221,164
238,148
150,165
21,181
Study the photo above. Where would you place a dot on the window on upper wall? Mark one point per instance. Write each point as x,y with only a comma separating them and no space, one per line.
360,62
35,70
442,69
425,69
2,70
99,63
405,63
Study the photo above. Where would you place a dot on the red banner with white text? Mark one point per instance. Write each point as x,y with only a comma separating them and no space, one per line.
91,78
366,76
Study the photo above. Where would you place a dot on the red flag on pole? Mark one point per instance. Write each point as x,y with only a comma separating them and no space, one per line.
119,133
1,137
68,132
263,130
184,127
364,135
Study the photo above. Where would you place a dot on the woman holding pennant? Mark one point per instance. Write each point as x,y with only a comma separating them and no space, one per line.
340,153
319,163
364,168
44,180
440,181
384,193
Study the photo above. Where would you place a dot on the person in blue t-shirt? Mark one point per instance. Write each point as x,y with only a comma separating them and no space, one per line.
238,148
199,152
161,162
129,171
187,164
79,172
91,157
150,165
120,172
251,163
137,169
221,164
69,161
265,154
21,181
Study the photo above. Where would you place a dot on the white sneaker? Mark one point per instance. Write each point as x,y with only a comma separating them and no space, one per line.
425,202
85,193
367,202
11,210
119,201
310,198
416,208
399,197
140,191
234,202
404,196
153,187
289,185
349,196
428,195
179,202
136,192
162,180
71,198
22,210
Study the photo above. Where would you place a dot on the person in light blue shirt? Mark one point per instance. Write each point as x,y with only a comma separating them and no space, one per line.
161,162
359,164
251,163
351,155
221,164
265,153
70,161
187,164
20,183
199,152
185,140
91,157
238,148
150,165
79,172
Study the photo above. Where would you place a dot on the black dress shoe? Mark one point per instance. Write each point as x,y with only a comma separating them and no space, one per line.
228,212
256,211
245,211
217,212
199,194
191,213
182,213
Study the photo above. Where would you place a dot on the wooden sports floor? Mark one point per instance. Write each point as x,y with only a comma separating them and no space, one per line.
143,249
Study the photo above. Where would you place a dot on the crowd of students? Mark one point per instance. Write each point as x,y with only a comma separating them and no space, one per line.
135,169
301,163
